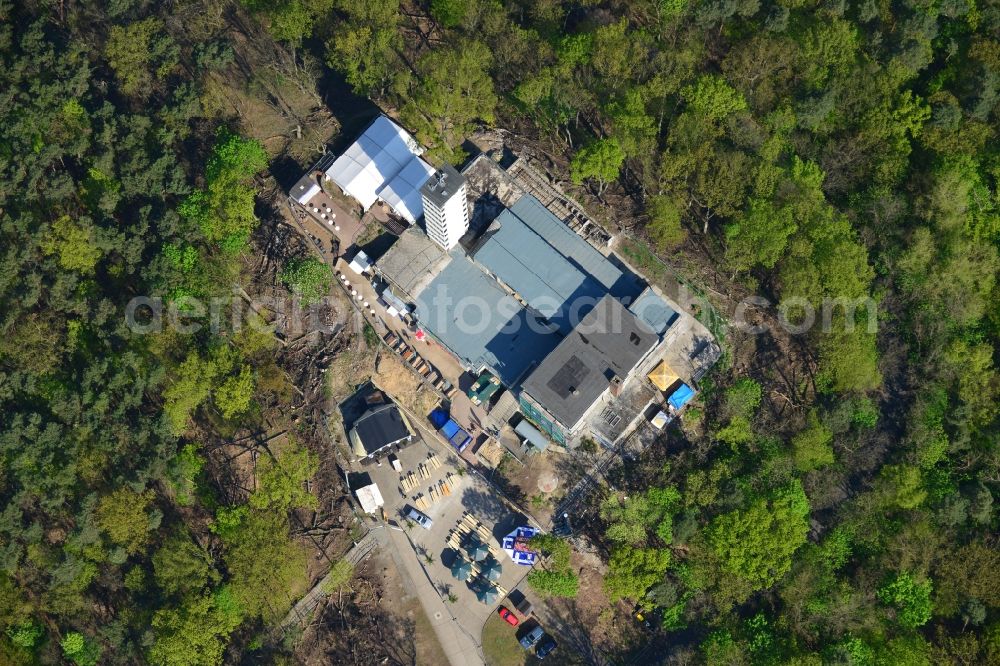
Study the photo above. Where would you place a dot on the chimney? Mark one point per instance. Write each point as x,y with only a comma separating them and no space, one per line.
616,386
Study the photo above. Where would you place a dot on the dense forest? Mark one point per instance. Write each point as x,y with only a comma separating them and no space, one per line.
829,500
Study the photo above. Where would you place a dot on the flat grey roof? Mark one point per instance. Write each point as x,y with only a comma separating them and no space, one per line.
566,241
555,271
412,262
442,185
653,310
608,342
470,314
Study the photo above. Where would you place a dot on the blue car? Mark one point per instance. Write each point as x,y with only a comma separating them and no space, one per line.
546,647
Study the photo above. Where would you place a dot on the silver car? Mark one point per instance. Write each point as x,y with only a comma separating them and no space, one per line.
529,639
419,518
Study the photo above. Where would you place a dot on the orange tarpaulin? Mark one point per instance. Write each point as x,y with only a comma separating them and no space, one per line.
663,376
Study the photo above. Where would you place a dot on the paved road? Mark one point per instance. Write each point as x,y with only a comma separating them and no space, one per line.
462,648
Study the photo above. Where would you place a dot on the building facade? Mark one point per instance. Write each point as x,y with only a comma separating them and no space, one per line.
446,211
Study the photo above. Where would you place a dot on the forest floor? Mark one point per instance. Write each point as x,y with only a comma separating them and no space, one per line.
589,626
378,620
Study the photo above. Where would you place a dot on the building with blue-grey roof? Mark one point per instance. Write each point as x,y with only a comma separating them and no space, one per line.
653,310
480,323
557,273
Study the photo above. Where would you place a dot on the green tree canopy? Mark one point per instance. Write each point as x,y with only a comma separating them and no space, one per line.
601,160
281,480
180,566
756,543
910,597
234,396
190,635
664,225
759,236
813,447
712,96
125,517
632,571
451,93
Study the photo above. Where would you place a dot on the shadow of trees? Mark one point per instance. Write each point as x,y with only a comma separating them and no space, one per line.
573,634
484,505
356,630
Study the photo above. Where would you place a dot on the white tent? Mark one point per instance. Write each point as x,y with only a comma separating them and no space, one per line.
370,498
373,160
305,192
403,191
360,263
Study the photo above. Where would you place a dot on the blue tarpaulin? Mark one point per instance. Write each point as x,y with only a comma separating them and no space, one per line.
681,396
456,435
450,429
438,417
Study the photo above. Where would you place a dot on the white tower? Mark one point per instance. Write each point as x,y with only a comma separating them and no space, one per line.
446,212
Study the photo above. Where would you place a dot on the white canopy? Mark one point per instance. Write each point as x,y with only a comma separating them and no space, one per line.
360,263
373,160
370,498
303,193
403,191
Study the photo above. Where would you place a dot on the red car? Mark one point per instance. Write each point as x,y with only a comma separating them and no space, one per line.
509,617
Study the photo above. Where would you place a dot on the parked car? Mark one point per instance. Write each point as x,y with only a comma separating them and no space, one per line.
545,647
420,518
508,617
524,607
529,639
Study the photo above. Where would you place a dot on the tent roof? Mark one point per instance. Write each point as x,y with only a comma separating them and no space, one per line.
402,193
305,189
360,263
377,156
370,498
663,376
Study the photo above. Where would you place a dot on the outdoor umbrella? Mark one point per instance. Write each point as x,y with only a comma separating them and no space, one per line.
478,552
487,594
461,569
491,570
